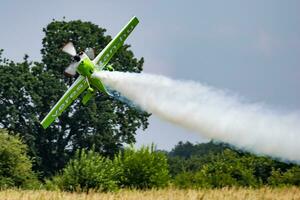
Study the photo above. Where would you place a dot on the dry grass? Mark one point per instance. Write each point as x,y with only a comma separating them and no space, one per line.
225,193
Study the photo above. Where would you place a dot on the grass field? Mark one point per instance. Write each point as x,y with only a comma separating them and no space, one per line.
292,193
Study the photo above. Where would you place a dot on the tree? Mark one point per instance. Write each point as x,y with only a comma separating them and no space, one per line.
143,168
219,165
87,170
15,165
290,177
188,157
187,149
28,91
222,170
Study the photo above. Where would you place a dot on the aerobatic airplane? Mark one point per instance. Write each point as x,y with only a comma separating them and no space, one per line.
85,65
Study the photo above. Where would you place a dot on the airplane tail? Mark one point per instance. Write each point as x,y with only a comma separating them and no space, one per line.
97,83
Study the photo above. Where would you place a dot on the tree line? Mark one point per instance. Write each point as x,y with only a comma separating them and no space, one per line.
216,165
205,165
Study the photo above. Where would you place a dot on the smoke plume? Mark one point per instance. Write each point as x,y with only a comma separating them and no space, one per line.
213,113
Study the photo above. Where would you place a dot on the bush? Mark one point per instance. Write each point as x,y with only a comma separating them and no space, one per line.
15,165
290,177
88,170
225,169
185,180
143,168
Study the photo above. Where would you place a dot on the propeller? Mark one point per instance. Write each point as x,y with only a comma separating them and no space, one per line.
69,49
90,53
71,69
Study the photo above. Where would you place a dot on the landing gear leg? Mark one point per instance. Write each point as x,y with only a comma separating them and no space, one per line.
90,89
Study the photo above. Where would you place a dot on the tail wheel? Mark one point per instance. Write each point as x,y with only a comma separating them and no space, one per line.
91,90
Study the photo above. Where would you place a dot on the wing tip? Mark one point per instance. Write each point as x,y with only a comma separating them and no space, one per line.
44,124
134,18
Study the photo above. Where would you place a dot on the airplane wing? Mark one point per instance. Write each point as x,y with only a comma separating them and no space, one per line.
70,95
105,55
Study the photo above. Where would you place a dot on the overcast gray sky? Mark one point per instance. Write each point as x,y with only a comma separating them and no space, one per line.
251,48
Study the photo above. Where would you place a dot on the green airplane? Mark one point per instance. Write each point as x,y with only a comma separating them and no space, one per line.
85,65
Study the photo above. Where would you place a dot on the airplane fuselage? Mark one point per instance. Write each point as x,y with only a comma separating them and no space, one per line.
85,67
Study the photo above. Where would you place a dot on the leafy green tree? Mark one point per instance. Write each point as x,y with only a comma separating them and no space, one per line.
188,149
19,89
261,166
185,180
223,166
188,157
223,170
143,168
176,165
290,177
28,91
15,165
87,170
226,169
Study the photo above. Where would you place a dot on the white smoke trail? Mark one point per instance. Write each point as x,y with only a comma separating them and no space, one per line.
213,113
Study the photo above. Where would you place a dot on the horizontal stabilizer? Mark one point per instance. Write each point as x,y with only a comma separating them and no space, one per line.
87,97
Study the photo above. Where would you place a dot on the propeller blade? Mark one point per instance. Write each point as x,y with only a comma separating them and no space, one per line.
71,69
90,53
69,49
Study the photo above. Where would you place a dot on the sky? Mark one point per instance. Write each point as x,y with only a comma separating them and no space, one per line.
251,48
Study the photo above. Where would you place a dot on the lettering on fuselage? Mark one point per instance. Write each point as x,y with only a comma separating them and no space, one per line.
68,99
114,48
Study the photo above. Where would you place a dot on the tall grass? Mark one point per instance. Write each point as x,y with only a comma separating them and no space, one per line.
168,193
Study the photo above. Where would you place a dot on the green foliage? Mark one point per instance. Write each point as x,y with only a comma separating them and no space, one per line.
225,169
191,157
87,170
290,177
29,90
185,180
143,168
15,166
222,167
187,149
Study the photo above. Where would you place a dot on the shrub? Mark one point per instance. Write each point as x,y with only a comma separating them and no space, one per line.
290,177
88,170
185,180
143,168
15,165
225,169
